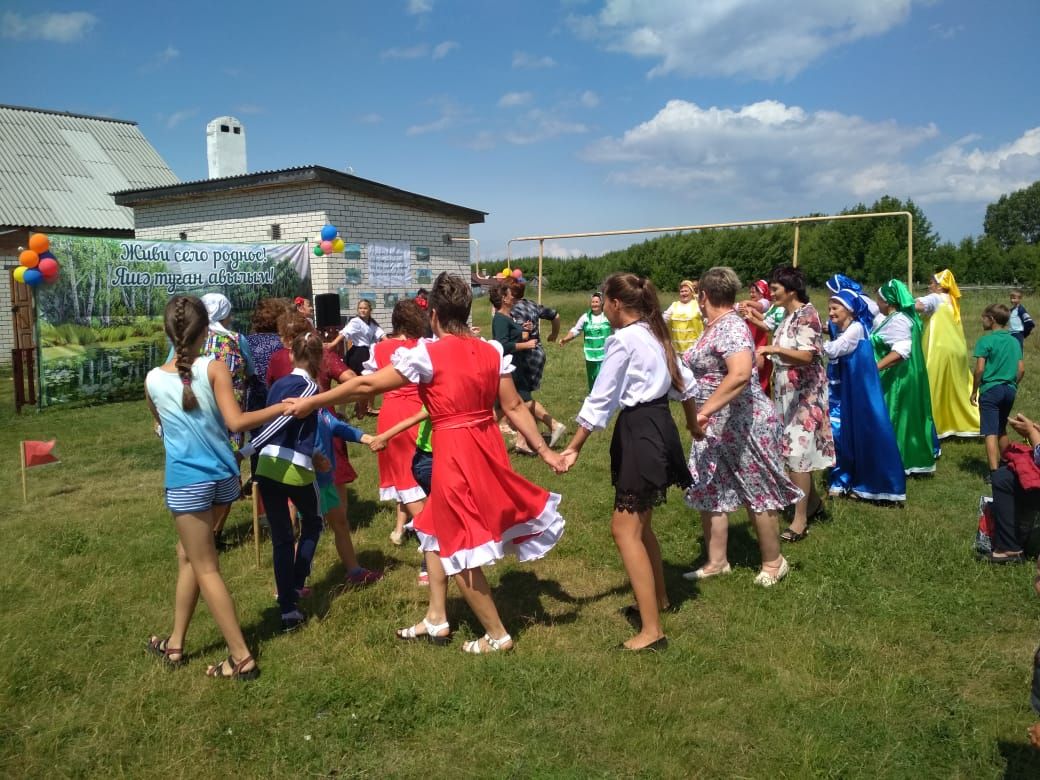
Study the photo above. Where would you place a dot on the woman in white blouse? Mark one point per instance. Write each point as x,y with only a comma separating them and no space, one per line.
640,372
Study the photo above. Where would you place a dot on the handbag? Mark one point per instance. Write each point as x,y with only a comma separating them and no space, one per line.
986,528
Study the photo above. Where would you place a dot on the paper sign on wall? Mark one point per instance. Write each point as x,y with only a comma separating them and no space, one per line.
389,263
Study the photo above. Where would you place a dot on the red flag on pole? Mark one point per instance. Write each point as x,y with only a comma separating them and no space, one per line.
39,453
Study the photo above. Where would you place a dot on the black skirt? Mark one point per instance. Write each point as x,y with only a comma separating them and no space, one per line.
356,357
646,456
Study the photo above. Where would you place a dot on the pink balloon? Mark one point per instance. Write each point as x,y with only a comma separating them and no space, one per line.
48,267
326,247
517,273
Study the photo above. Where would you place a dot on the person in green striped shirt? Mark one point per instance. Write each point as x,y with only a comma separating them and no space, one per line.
596,327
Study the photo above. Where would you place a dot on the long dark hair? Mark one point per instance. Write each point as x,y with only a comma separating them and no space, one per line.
640,295
185,321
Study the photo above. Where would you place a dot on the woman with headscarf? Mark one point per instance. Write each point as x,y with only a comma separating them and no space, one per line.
684,317
946,358
868,463
904,378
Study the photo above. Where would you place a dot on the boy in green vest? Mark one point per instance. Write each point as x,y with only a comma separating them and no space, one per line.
596,327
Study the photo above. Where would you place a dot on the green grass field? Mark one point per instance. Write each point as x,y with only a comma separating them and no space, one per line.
888,652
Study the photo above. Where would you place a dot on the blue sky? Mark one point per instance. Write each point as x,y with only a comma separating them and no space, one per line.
573,115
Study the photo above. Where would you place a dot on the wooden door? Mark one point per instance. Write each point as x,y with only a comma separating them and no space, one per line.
23,315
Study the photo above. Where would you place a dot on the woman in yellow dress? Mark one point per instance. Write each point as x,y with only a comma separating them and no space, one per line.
684,318
946,358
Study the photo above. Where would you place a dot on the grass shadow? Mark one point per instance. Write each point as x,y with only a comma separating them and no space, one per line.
1023,761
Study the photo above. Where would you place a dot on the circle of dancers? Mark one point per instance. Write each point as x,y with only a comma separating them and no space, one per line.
769,396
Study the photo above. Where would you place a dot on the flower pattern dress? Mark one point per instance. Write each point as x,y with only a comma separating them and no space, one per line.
738,461
800,394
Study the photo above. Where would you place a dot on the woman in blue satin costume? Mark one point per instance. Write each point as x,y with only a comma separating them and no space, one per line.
868,462
836,284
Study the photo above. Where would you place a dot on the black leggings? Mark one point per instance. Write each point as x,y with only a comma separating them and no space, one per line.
292,562
1010,502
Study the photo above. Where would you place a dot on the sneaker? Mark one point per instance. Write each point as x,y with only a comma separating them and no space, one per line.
362,576
293,620
423,580
558,431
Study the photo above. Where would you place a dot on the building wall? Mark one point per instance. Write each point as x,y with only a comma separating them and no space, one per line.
301,211
7,263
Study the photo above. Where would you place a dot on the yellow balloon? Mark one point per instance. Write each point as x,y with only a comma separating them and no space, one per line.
337,245
19,274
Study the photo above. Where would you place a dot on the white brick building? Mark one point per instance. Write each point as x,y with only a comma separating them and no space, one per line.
293,204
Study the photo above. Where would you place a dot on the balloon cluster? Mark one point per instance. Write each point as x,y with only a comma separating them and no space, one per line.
516,273
37,264
330,242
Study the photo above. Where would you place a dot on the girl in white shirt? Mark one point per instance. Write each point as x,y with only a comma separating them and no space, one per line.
640,373
363,333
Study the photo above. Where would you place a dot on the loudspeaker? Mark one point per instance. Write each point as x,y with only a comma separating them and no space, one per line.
326,310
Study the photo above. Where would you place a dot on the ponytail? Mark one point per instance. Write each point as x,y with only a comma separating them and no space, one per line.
307,350
640,295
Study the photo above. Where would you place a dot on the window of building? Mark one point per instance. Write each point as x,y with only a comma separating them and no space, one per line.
276,232
225,129
238,131
184,236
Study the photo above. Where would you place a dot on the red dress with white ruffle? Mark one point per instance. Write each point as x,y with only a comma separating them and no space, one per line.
479,509
396,482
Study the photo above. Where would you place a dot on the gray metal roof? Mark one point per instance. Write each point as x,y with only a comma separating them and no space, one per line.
300,175
57,170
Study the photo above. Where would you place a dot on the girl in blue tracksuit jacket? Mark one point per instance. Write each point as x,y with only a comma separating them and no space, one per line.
285,472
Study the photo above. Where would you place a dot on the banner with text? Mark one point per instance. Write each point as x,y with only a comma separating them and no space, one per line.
101,326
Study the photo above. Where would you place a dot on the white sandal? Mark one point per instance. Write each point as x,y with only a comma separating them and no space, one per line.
432,635
767,580
490,645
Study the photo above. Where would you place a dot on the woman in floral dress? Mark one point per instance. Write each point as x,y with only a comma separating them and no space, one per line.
800,394
738,462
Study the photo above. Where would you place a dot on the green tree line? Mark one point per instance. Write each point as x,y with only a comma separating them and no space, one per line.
870,250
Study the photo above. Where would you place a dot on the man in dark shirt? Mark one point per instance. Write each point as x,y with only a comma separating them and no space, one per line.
526,314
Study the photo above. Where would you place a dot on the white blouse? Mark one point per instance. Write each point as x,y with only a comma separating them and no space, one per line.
634,371
897,333
845,343
361,333
415,364
933,301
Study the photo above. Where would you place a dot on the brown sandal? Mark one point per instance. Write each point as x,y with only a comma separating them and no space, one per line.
161,648
237,670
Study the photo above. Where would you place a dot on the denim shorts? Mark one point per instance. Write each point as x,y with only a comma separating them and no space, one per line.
994,409
202,495
422,469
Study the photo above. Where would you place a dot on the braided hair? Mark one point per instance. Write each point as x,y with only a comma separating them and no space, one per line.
307,349
185,321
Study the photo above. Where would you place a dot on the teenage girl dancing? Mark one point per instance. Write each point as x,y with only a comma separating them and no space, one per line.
193,400
640,373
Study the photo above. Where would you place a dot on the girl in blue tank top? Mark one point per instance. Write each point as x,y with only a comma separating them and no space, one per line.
192,399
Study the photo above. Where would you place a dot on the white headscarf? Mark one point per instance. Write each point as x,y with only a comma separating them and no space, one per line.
218,307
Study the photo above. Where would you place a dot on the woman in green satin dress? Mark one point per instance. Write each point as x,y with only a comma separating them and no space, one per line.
904,379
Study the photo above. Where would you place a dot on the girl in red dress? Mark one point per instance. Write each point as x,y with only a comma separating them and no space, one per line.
396,482
479,509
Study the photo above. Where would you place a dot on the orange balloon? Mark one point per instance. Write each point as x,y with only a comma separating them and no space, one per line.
29,258
39,243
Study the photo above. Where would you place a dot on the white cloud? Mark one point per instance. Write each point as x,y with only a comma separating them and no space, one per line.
161,58
174,119
512,99
450,115
768,153
946,31
589,99
540,126
442,49
420,6
527,61
405,52
249,108
370,119
54,27
760,39
559,252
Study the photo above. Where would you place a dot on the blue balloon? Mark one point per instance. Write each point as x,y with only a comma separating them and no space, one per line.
47,254
328,232
32,277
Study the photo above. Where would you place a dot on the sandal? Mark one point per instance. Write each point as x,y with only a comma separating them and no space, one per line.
489,645
161,648
792,536
767,580
432,634
237,670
